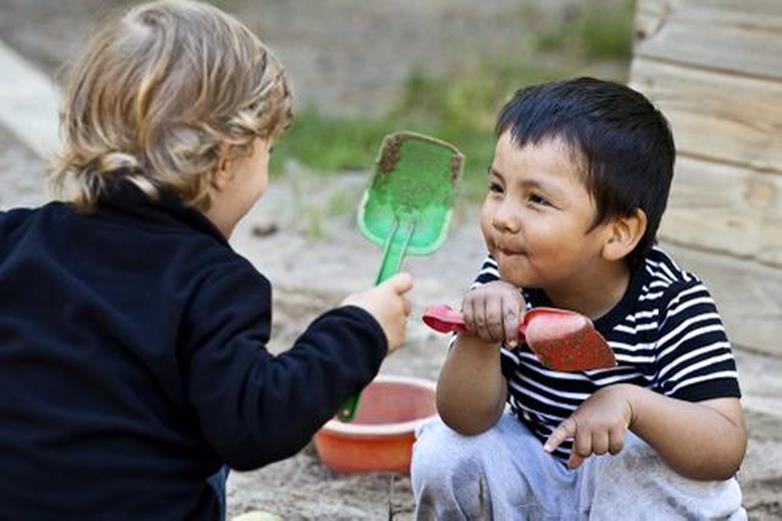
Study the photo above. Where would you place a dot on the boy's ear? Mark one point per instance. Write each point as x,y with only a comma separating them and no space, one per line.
625,233
224,170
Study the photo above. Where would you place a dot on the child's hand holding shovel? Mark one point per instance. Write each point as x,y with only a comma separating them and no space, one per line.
492,311
387,303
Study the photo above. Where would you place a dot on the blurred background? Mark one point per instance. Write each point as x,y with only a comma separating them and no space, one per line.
363,68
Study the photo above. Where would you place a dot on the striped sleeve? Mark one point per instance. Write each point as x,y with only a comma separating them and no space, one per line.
489,273
693,355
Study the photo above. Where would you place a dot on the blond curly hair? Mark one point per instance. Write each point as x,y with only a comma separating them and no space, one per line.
155,94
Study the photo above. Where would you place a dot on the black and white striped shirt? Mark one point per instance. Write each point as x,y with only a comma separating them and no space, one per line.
666,335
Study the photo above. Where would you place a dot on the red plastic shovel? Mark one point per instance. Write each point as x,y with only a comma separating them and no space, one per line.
563,340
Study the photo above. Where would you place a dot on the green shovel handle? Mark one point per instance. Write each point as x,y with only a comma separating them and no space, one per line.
393,252
347,411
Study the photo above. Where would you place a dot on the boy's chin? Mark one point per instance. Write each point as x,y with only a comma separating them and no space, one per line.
515,277
514,269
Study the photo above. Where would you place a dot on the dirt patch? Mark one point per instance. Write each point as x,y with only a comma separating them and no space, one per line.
22,175
301,488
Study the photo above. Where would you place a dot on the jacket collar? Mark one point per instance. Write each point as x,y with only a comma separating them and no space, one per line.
167,208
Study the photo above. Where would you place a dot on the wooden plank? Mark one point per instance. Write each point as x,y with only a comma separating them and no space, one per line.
738,36
770,234
725,209
715,115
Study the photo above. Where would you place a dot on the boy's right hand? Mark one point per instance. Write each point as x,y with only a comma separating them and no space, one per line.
492,311
386,302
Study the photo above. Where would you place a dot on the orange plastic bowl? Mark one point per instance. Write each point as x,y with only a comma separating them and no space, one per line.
381,436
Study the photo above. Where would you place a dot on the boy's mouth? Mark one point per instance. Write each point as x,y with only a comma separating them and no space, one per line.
501,248
506,252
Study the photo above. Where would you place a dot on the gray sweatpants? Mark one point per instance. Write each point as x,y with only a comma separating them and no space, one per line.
504,474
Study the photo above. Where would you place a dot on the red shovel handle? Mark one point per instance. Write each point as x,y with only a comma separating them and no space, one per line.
444,319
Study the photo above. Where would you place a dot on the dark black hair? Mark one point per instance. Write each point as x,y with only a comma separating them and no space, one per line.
624,141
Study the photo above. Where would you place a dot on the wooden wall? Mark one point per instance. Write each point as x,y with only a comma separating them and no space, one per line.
715,69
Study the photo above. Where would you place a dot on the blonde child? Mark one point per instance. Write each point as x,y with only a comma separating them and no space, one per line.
132,358
577,187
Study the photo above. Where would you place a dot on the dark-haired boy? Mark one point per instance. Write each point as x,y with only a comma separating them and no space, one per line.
577,187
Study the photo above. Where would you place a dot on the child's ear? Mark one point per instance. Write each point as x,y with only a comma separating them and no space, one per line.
625,233
224,170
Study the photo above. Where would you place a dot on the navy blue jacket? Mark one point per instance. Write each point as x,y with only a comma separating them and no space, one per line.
132,363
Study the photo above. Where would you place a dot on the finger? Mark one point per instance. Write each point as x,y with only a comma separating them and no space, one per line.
400,283
616,440
600,442
479,317
510,322
582,443
494,320
565,430
575,461
468,313
482,321
518,296
406,306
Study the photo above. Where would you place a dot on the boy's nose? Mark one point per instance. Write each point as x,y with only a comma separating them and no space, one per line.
506,219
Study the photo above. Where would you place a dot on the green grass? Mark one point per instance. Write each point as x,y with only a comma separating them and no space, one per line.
342,203
329,143
462,107
460,110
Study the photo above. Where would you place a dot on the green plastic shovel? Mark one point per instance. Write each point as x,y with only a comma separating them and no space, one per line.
408,205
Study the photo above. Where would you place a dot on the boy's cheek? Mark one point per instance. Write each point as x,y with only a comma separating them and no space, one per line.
486,231
491,247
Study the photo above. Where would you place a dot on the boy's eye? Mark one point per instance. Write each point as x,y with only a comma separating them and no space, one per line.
495,187
538,199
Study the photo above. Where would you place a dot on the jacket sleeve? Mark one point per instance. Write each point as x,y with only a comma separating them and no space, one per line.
255,408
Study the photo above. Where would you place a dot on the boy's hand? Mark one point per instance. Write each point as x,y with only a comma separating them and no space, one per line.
598,425
386,302
492,312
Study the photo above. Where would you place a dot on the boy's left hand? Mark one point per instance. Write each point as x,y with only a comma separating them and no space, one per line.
597,426
492,311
